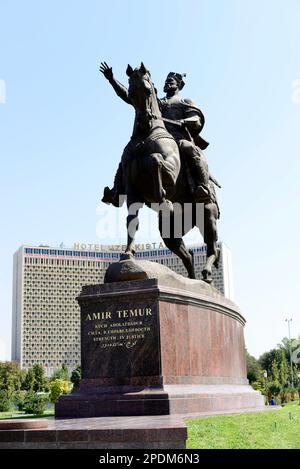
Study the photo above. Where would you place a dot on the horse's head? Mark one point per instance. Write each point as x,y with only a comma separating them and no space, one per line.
142,92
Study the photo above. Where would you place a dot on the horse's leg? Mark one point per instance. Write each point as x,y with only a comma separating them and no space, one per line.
132,223
177,246
211,215
155,163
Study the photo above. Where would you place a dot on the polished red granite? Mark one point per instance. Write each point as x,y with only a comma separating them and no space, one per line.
168,432
153,348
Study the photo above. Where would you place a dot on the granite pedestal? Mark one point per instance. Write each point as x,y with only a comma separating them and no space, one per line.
158,346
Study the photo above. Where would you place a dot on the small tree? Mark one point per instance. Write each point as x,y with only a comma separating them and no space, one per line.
35,404
274,389
61,373
76,377
18,399
10,376
254,370
258,386
40,379
29,380
5,402
57,388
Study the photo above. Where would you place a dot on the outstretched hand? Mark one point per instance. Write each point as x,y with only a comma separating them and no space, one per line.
106,70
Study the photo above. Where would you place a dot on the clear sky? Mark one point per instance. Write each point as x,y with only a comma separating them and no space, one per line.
62,131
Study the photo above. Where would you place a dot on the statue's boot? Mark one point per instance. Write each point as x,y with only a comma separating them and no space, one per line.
111,196
202,192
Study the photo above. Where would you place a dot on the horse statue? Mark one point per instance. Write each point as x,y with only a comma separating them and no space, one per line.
154,174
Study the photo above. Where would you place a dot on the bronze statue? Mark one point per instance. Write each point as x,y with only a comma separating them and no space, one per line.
163,162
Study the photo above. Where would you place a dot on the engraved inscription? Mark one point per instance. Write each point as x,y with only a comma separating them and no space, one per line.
119,334
119,339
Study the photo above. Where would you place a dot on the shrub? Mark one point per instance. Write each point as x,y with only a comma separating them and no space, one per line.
35,404
61,373
5,401
76,377
57,388
258,386
18,399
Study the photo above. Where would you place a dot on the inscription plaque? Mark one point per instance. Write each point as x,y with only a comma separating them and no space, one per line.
120,340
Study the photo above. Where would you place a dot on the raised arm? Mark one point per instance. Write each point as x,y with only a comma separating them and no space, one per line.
120,89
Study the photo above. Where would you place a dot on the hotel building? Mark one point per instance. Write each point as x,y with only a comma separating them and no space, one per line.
47,280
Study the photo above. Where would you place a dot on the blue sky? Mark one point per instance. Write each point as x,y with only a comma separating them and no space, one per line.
62,130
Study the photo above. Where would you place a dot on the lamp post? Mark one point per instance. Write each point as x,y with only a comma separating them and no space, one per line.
266,391
290,347
299,386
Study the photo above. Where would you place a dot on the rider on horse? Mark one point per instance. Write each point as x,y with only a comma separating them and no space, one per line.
184,121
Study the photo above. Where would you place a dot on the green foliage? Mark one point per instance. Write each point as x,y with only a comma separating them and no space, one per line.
35,403
266,360
29,380
258,386
40,379
254,370
10,377
35,380
61,373
76,376
275,372
283,370
18,399
57,388
5,401
276,363
274,389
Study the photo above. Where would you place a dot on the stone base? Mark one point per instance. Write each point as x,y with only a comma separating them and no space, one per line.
171,399
158,346
101,433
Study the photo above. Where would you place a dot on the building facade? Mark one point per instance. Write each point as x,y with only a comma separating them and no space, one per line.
46,282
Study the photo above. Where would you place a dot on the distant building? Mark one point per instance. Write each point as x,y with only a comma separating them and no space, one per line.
46,282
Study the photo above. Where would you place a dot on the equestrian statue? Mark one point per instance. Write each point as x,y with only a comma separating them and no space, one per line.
163,166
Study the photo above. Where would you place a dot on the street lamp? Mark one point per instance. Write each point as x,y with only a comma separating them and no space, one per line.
290,347
265,376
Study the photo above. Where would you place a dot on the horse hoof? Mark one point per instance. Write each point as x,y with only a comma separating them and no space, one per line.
166,207
208,280
206,276
126,255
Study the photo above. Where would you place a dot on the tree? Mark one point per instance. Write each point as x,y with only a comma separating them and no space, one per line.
10,376
35,404
29,380
276,363
274,389
18,399
40,379
5,402
254,370
57,388
275,372
61,373
76,376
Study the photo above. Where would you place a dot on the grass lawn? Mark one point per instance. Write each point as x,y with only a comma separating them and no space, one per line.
20,415
264,430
